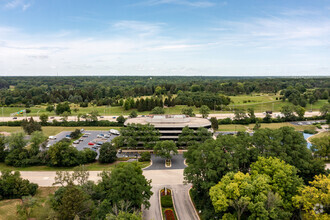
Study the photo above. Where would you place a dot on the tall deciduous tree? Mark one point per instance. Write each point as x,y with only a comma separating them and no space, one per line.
165,149
283,178
16,141
37,139
126,183
314,200
107,153
43,118
187,111
204,111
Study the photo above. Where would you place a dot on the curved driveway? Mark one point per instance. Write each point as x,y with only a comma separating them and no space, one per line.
163,177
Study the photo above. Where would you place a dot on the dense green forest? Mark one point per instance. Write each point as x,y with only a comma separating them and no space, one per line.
193,91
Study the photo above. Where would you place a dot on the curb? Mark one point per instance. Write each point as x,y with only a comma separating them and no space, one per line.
169,165
160,204
176,213
193,203
148,166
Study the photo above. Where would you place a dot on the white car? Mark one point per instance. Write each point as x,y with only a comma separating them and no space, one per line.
76,142
114,131
52,138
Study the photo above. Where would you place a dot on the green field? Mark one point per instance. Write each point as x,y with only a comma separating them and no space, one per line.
50,130
260,103
320,135
233,127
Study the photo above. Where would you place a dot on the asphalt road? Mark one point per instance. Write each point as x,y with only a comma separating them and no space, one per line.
113,118
158,163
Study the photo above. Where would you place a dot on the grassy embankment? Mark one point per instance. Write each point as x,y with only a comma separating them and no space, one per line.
8,207
320,135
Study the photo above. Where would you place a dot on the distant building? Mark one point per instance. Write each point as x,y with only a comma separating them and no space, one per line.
170,126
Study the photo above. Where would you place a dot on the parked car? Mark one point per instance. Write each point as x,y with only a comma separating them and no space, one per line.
114,131
81,140
52,117
100,135
101,116
76,142
99,143
85,136
107,136
67,136
52,138
114,117
82,130
90,143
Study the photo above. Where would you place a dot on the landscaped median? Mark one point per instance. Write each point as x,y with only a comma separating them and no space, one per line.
166,201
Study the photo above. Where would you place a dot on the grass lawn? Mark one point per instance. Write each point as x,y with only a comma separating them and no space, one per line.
50,130
90,167
260,103
233,127
8,207
279,125
320,135
253,98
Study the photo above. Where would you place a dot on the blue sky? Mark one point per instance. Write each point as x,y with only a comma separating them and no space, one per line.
165,37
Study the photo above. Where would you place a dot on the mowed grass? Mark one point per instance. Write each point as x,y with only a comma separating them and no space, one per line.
50,130
96,166
8,210
233,127
260,103
283,124
254,98
320,135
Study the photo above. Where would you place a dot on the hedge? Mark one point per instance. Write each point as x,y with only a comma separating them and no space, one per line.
166,201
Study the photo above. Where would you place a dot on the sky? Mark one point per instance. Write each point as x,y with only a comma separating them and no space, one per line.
165,37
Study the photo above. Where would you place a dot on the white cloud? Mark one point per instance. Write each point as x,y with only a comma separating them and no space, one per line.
138,27
13,4
197,4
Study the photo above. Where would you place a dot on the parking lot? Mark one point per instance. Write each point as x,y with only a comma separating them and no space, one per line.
91,138
307,122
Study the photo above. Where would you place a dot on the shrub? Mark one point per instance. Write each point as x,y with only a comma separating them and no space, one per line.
75,134
145,156
310,131
169,214
166,201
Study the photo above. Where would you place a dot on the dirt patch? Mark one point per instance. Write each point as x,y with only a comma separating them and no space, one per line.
5,133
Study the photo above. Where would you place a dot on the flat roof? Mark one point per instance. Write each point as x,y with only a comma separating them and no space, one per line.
170,121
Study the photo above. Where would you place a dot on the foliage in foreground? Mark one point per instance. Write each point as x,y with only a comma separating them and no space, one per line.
12,186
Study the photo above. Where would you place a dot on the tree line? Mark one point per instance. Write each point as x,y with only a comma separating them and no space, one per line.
112,90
